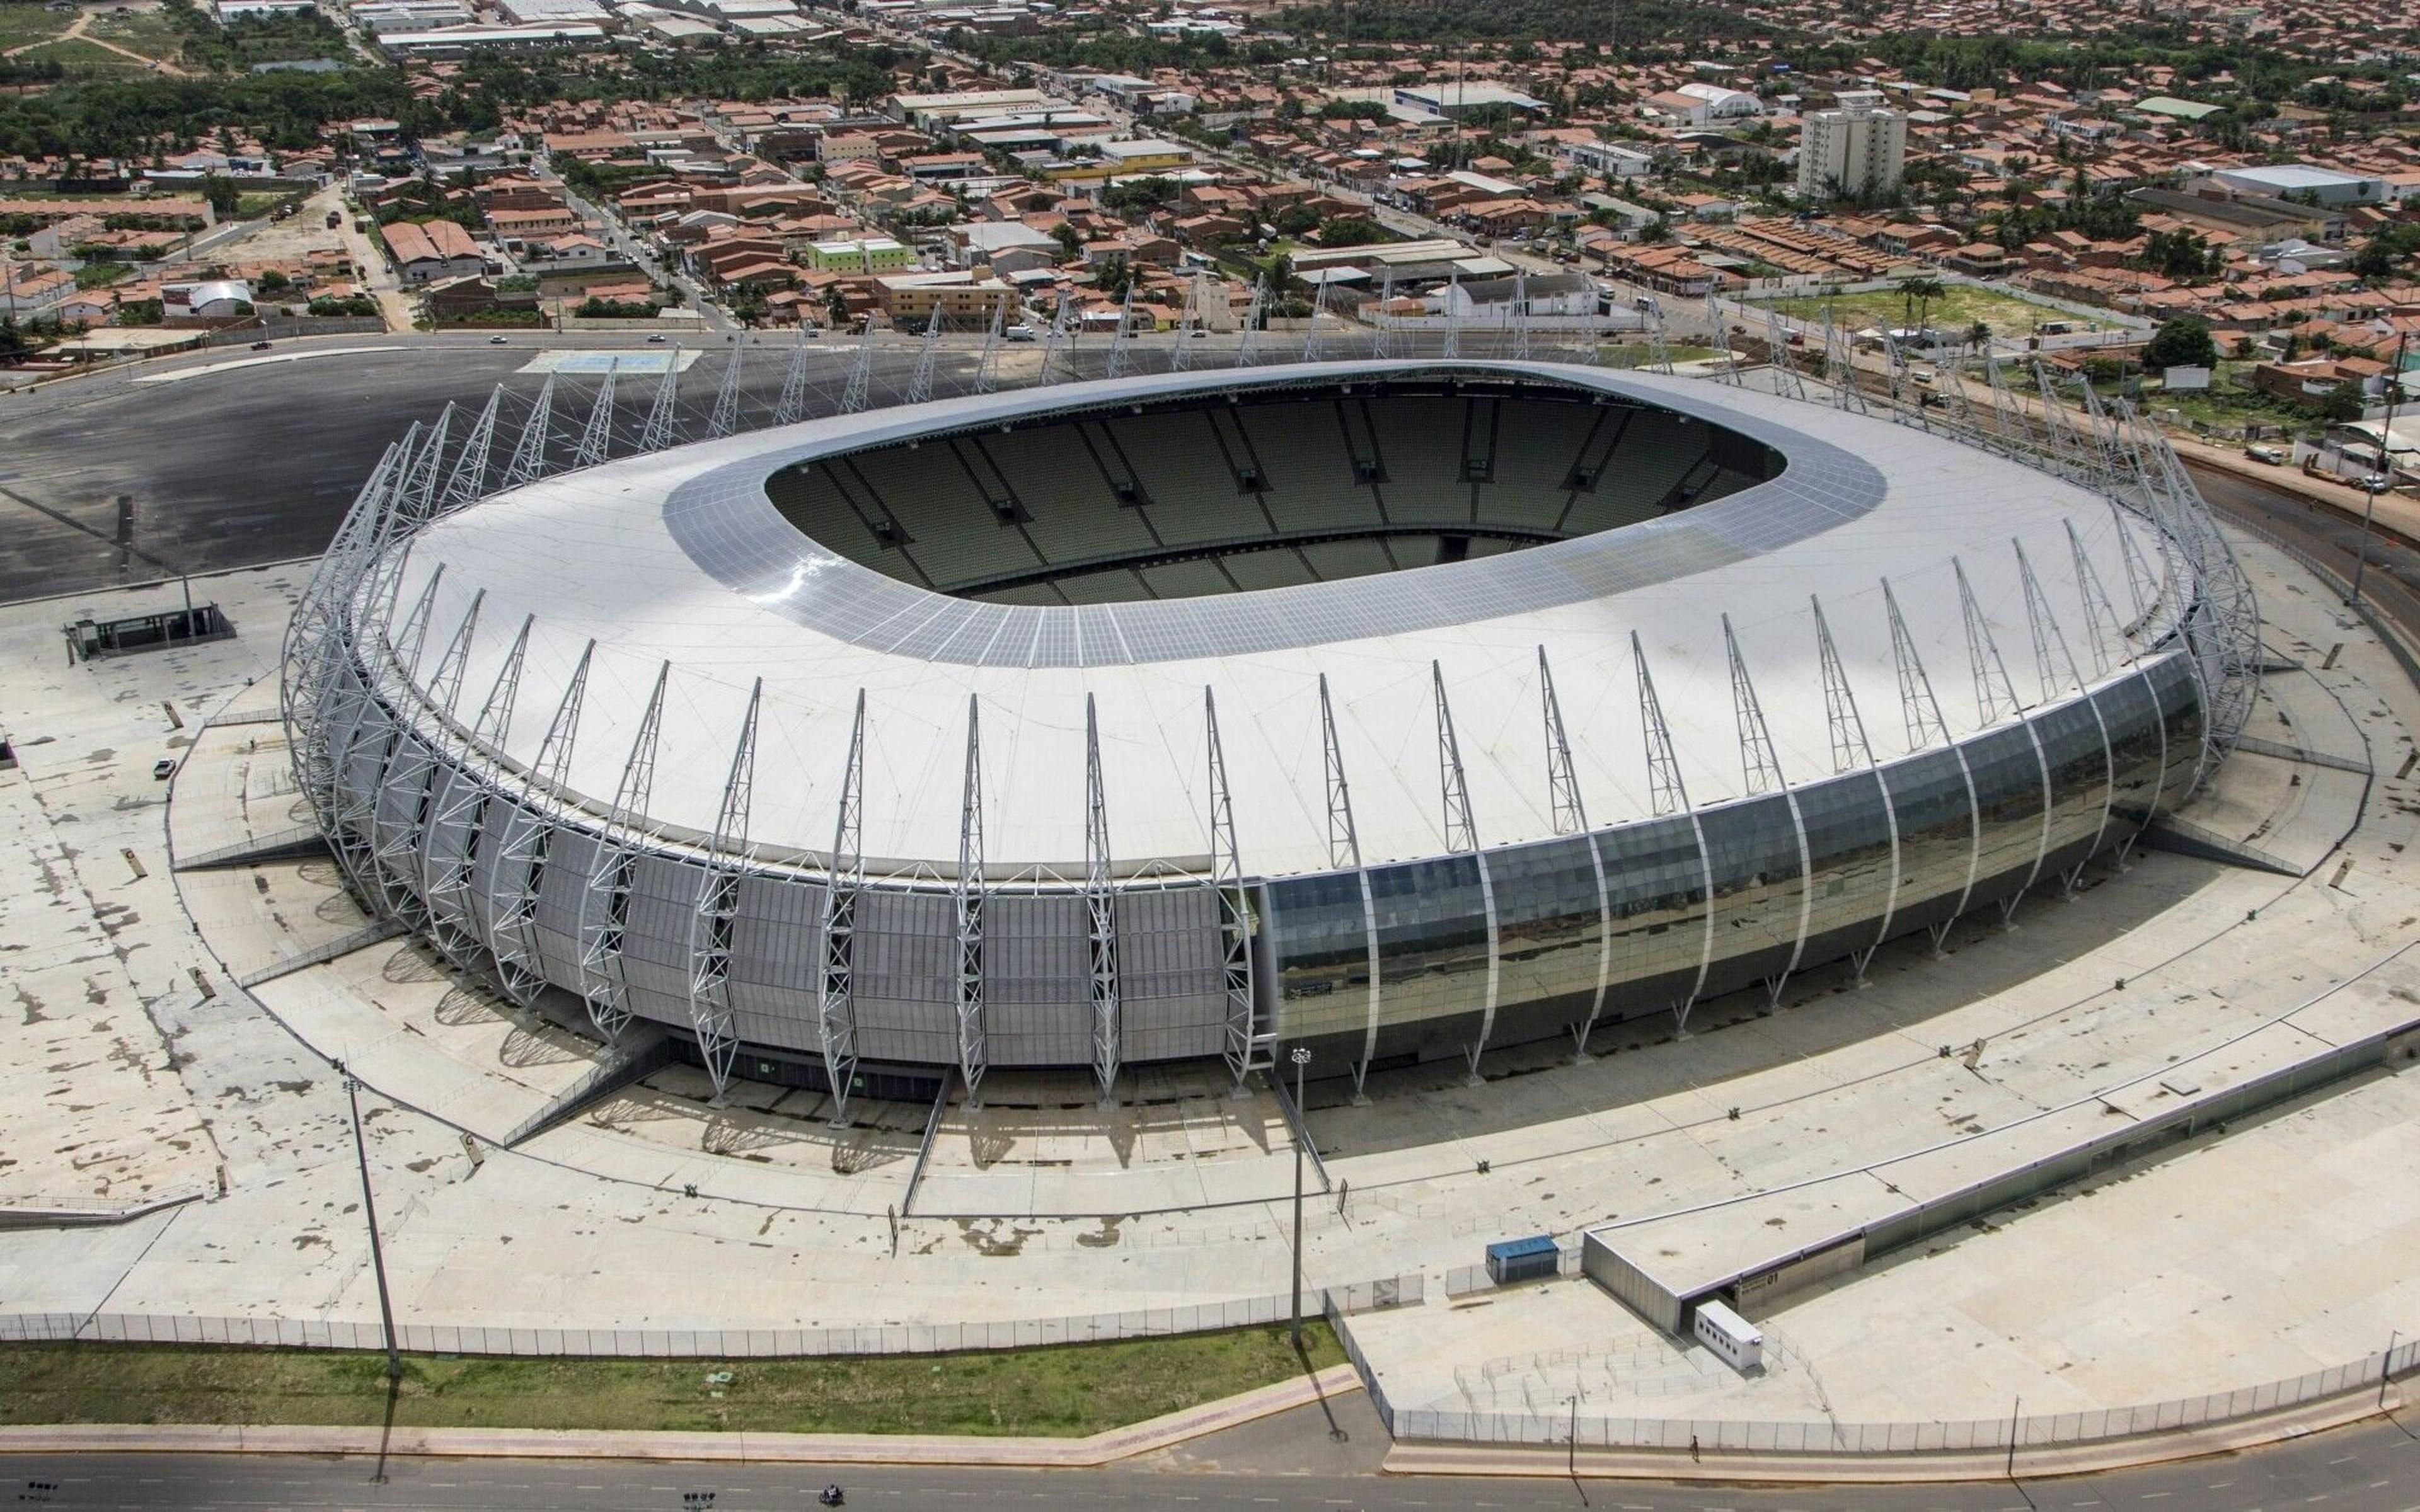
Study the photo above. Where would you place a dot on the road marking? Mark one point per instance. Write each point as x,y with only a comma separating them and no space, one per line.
208,369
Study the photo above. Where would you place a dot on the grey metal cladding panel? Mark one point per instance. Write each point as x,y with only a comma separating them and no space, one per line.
489,869
789,1033
725,522
1037,974
1169,945
367,750
405,786
443,840
656,930
777,948
1181,1042
562,890
905,983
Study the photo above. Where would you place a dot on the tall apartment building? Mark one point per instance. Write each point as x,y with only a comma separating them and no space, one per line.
1856,148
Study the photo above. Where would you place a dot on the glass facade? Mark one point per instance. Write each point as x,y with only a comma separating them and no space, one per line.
1759,882
1431,919
1849,836
1550,935
2009,790
1631,908
1319,932
2079,764
1433,925
1936,836
1655,883
2135,747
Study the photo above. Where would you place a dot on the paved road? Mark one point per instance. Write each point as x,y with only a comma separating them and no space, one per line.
231,469
2372,1467
2392,584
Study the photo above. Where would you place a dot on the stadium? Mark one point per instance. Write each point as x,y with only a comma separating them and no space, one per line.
1385,711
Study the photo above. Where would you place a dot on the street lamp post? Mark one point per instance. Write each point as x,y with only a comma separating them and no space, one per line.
1300,1057
369,1211
2385,468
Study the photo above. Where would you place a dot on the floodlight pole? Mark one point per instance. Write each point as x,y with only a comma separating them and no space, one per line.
2385,468
1300,1057
369,1211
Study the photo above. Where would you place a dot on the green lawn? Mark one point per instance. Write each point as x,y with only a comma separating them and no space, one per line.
1959,307
1067,1392
76,52
2225,405
20,23
148,32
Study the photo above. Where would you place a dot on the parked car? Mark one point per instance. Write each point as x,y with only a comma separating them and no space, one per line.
2374,482
164,768
2274,455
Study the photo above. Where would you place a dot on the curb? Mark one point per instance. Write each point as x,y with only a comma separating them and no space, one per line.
1551,1462
736,1448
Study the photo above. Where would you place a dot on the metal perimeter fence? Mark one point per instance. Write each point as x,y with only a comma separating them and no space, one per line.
704,1344
2371,1372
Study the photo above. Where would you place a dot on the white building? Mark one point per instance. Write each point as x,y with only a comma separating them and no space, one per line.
1856,148
1724,104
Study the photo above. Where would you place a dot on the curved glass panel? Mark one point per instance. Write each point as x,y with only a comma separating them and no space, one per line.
1656,881
1757,884
1849,838
2008,791
1319,939
1432,920
1549,921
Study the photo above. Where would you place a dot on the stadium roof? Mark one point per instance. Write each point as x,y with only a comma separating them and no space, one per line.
678,556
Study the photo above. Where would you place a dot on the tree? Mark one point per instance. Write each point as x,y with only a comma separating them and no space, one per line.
2183,342
220,191
1921,292
1351,231
1069,243
2345,402
1296,219
1658,229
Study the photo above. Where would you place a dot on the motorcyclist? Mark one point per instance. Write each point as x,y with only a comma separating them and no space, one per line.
831,1496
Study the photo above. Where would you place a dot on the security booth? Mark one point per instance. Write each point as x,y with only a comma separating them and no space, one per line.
1534,1259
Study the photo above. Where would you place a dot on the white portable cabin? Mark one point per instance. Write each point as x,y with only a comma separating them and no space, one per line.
1730,1335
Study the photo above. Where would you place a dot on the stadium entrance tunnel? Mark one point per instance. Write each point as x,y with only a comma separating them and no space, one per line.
1254,486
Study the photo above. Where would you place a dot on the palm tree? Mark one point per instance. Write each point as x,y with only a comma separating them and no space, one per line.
1924,291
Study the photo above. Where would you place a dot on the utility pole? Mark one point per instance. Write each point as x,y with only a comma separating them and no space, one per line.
2014,1409
1300,1057
2386,466
2386,1366
369,1211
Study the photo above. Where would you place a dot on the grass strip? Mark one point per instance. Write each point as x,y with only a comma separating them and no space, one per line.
1069,1391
